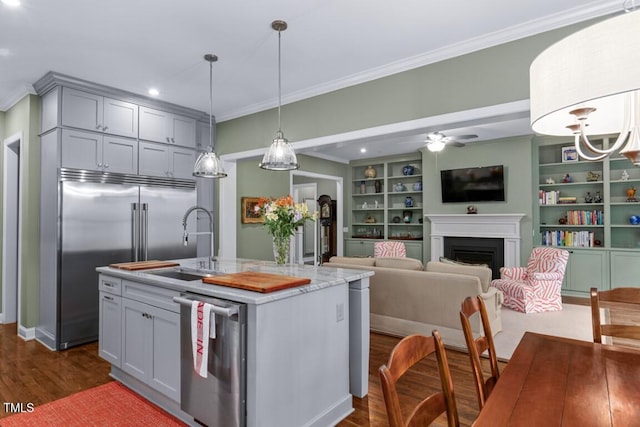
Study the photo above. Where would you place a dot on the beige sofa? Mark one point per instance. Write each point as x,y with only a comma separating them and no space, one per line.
407,298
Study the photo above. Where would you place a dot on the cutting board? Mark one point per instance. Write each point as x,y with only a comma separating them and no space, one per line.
143,265
257,282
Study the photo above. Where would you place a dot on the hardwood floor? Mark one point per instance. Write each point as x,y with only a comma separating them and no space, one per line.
30,373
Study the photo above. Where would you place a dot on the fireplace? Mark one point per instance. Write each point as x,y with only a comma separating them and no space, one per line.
505,227
476,250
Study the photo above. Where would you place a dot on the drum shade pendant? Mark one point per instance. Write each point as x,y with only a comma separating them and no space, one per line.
589,84
208,165
280,156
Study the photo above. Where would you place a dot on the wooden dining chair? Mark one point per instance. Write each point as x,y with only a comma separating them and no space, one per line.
625,300
409,351
477,346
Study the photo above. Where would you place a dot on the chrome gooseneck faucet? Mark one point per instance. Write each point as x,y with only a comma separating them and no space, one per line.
185,237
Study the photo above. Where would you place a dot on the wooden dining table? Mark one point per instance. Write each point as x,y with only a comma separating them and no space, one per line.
554,381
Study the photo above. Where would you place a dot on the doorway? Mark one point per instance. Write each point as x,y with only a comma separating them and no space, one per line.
11,228
306,239
322,184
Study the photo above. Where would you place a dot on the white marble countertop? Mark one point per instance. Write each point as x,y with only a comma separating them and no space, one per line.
321,277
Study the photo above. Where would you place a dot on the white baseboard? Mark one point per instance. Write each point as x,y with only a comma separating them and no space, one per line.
26,334
1,318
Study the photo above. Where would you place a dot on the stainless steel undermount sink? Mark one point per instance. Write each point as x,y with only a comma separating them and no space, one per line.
183,274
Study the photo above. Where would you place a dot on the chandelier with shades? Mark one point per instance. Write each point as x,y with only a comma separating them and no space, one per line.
588,84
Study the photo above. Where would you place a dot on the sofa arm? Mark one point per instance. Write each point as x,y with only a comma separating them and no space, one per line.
513,273
493,299
546,276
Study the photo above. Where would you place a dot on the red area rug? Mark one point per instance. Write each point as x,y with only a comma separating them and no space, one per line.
111,404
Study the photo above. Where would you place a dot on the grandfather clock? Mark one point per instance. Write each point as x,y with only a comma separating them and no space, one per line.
328,231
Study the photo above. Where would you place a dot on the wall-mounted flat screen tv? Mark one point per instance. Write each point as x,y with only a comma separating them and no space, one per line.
479,184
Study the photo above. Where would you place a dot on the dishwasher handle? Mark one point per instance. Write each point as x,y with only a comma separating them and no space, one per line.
222,311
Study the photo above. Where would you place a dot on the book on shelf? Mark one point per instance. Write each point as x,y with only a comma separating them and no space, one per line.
567,199
565,238
594,217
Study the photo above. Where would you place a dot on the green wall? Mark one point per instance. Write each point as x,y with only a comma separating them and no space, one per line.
24,117
253,240
492,76
513,153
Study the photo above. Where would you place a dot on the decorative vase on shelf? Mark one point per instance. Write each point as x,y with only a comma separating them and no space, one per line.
417,186
399,187
408,202
363,187
370,172
407,216
378,185
408,170
281,247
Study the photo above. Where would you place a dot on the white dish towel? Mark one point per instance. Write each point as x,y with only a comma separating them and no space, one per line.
203,327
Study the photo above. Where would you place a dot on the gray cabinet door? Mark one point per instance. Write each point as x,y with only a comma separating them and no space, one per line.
81,150
120,118
120,155
153,159
414,250
81,109
136,339
359,248
164,368
183,131
154,125
110,332
586,269
181,162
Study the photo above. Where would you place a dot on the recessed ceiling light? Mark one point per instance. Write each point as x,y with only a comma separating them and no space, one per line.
14,3
363,150
154,92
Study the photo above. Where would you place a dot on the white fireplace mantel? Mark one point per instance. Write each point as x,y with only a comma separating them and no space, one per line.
504,226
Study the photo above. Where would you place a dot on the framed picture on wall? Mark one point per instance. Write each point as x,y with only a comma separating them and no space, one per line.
249,214
569,154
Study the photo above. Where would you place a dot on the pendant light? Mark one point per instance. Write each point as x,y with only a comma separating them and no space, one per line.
208,165
280,156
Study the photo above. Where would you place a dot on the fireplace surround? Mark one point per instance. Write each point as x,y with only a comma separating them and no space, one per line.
500,226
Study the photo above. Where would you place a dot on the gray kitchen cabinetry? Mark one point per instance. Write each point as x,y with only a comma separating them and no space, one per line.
92,151
166,160
169,128
151,337
110,331
98,113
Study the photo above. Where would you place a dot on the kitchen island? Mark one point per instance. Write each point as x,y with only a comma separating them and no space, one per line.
305,348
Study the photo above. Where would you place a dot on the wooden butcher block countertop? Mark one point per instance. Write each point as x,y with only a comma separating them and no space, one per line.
143,265
257,282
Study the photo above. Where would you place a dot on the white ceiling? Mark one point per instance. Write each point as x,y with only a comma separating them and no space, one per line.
330,44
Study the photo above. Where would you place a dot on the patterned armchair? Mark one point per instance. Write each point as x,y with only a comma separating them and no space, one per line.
389,249
536,287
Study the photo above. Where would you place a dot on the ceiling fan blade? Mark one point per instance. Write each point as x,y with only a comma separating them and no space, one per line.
469,136
456,144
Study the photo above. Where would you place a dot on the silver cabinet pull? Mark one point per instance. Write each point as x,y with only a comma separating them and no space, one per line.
107,297
105,127
173,140
106,165
168,139
109,284
98,127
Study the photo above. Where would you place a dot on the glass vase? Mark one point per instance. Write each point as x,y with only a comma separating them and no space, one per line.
281,246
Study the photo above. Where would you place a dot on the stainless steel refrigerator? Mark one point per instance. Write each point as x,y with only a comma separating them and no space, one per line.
105,219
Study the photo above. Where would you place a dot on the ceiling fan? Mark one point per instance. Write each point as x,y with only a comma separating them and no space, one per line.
437,140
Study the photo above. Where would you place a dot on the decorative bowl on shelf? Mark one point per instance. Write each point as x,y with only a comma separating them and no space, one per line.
399,187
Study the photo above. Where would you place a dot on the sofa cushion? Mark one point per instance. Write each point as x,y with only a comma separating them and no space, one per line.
402,263
366,262
482,273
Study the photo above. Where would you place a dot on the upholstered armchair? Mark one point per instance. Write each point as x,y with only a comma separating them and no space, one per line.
536,287
389,249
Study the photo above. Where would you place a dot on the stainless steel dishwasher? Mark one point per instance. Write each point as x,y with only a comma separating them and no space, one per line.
219,399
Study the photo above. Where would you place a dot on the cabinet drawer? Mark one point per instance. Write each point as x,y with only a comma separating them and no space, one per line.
110,284
152,295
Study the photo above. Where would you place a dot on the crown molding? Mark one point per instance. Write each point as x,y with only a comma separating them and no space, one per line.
591,10
17,95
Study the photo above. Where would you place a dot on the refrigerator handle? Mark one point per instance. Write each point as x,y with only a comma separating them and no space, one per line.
135,231
144,230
